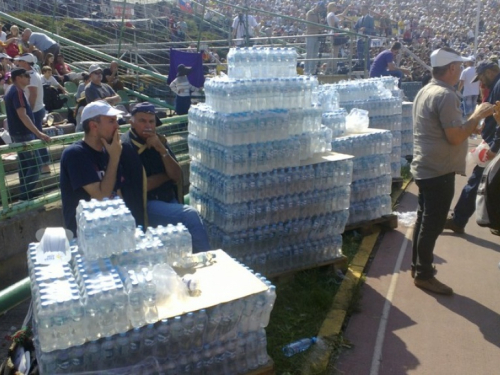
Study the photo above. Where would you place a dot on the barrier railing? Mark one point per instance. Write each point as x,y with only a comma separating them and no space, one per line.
44,189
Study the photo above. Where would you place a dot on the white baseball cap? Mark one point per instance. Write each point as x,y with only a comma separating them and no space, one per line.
94,68
28,57
99,108
441,57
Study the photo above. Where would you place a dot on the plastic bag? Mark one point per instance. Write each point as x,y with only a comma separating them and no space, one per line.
478,155
357,121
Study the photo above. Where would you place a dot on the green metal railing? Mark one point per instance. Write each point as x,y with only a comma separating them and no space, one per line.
14,295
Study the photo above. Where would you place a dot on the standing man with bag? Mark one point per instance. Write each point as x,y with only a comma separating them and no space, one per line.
440,147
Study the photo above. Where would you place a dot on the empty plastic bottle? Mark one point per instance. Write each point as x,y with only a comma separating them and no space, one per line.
298,346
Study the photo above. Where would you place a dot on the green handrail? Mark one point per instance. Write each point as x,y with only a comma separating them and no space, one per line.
14,295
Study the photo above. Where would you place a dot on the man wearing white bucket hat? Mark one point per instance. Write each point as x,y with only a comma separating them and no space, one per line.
440,146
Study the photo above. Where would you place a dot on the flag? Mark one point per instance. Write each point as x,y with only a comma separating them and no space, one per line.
185,6
189,59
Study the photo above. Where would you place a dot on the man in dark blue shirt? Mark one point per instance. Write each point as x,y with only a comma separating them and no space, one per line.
489,74
384,65
22,129
90,168
153,179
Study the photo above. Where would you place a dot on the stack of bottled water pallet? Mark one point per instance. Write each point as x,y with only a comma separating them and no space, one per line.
264,198
382,99
102,315
407,130
371,177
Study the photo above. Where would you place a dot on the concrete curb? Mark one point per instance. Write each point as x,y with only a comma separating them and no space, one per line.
319,357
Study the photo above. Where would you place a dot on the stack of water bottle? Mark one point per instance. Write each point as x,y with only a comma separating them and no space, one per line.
227,339
407,130
382,99
104,228
102,314
262,62
371,178
246,146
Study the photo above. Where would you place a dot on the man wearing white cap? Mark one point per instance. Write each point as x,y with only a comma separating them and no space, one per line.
440,147
90,168
471,89
96,90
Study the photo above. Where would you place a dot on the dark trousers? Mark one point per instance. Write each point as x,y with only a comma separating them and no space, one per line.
29,167
466,205
182,104
434,201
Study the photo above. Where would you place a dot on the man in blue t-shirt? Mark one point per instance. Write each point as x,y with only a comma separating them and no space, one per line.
91,168
384,65
22,129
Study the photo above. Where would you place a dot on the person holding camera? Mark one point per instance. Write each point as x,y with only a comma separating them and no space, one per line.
244,27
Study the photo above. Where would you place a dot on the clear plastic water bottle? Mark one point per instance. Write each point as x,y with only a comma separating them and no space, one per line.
299,346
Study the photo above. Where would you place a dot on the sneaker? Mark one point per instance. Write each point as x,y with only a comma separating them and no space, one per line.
451,225
433,285
495,232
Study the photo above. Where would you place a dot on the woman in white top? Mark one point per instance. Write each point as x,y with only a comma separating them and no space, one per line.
182,89
334,20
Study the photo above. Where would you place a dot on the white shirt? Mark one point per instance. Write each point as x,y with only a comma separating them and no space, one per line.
3,36
467,76
51,81
35,81
241,27
332,20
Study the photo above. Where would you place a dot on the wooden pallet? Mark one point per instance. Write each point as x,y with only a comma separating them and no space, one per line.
366,227
337,263
264,370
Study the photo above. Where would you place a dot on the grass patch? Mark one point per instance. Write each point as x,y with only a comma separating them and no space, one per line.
301,306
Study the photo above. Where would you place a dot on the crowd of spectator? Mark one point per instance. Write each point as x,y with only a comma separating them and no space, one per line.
422,25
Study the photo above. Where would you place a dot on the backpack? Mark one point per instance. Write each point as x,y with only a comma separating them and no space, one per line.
488,196
51,98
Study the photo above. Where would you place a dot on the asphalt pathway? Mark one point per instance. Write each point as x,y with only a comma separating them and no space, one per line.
401,329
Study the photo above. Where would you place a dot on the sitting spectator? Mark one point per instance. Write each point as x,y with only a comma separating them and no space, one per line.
153,177
384,65
49,61
110,76
7,83
80,91
61,67
6,62
96,90
48,79
3,35
90,167
80,105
